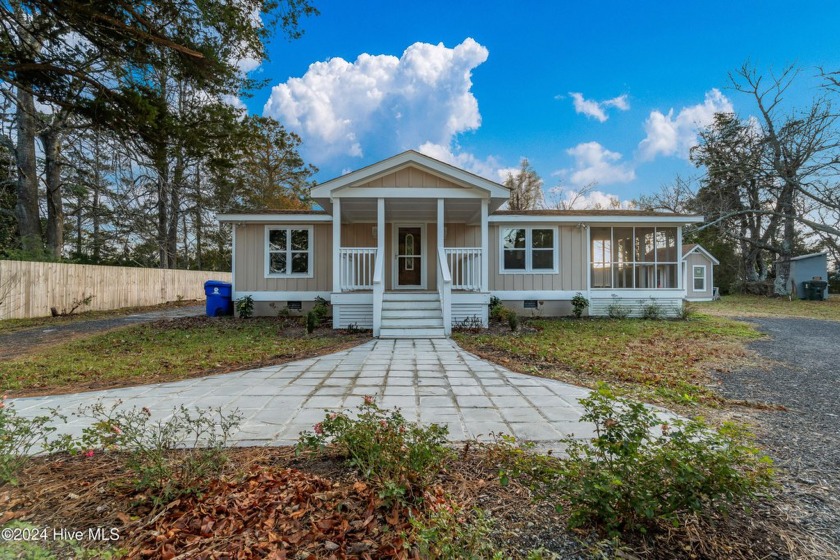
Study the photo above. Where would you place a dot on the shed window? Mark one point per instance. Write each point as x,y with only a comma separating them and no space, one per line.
529,250
699,278
289,251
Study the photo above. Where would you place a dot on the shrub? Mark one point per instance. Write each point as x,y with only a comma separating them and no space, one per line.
579,303
321,309
630,478
401,457
651,310
312,322
686,311
19,437
496,309
245,307
448,532
617,310
171,457
512,319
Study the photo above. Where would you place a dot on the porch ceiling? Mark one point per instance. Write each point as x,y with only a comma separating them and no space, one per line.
408,210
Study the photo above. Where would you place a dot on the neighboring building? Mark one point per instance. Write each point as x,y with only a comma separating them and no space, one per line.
699,273
410,246
806,268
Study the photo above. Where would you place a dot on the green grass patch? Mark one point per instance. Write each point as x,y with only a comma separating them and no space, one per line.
166,351
761,306
659,361
13,325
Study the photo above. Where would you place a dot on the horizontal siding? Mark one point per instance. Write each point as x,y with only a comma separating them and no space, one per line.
359,314
600,307
463,311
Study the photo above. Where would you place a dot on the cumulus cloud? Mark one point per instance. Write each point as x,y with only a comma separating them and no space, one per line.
595,164
379,105
672,134
570,199
487,168
597,109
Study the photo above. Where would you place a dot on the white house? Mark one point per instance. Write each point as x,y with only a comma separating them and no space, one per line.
410,246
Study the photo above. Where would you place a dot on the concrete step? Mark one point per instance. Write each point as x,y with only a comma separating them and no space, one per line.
412,333
406,305
412,312
412,323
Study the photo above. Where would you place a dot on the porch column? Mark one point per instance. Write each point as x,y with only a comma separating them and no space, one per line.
440,223
380,225
485,246
336,252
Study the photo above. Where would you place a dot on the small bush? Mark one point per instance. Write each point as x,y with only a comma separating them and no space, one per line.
19,437
245,307
629,478
312,322
579,303
686,311
617,310
170,457
448,532
496,309
512,320
401,457
652,310
321,309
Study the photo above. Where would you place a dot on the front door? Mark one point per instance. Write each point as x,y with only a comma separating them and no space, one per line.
409,260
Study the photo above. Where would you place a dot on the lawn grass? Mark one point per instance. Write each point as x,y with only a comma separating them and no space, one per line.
665,362
761,306
165,351
14,325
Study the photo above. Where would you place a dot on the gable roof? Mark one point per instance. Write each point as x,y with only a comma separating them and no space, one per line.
410,158
697,248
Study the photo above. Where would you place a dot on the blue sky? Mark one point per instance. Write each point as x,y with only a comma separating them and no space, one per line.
500,86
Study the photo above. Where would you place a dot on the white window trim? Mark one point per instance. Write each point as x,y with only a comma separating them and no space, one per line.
529,250
693,285
310,251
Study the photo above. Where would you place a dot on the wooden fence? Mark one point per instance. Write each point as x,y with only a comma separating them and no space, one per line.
30,289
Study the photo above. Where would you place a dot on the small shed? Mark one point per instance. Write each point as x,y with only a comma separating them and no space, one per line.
806,268
698,273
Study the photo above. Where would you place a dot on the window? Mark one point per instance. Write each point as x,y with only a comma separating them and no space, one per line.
527,250
699,278
634,257
288,251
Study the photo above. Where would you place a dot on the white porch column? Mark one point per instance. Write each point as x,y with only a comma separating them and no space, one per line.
485,246
440,222
336,253
380,225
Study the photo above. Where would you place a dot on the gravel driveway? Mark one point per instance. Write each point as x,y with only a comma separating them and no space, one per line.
22,342
804,440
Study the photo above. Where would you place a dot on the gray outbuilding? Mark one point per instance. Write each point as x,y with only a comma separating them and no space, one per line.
807,268
699,273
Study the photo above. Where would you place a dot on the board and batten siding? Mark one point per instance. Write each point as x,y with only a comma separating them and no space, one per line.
698,259
572,263
250,261
409,178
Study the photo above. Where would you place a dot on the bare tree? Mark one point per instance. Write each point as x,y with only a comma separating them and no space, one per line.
525,188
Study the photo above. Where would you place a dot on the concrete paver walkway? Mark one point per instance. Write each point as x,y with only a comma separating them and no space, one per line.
429,380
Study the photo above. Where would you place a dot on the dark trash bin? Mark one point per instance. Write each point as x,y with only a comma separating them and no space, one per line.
817,292
219,298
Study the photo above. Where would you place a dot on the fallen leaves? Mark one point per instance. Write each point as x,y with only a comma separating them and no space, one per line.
277,513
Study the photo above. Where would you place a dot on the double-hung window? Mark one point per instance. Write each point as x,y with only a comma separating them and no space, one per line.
699,277
529,250
288,251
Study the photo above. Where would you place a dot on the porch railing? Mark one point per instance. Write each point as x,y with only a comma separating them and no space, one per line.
378,290
357,268
444,285
465,267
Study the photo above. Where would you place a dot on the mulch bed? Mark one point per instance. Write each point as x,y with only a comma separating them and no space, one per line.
275,505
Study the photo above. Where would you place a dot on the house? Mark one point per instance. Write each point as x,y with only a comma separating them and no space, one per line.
806,268
411,246
699,273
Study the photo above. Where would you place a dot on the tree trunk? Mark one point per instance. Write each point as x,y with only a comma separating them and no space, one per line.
51,138
174,212
26,209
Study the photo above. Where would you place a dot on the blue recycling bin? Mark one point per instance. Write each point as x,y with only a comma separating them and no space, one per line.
219,298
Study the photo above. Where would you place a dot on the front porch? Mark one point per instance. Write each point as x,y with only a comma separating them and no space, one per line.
409,266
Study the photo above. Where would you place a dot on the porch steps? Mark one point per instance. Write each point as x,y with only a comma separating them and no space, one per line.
411,315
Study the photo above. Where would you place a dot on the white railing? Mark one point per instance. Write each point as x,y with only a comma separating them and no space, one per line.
356,264
465,267
444,282
378,289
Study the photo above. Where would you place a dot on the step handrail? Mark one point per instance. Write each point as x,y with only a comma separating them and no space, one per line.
378,290
445,290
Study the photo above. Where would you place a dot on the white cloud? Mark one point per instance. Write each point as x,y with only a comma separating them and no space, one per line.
577,200
596,164
597,109
487,168
379,105
675,134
